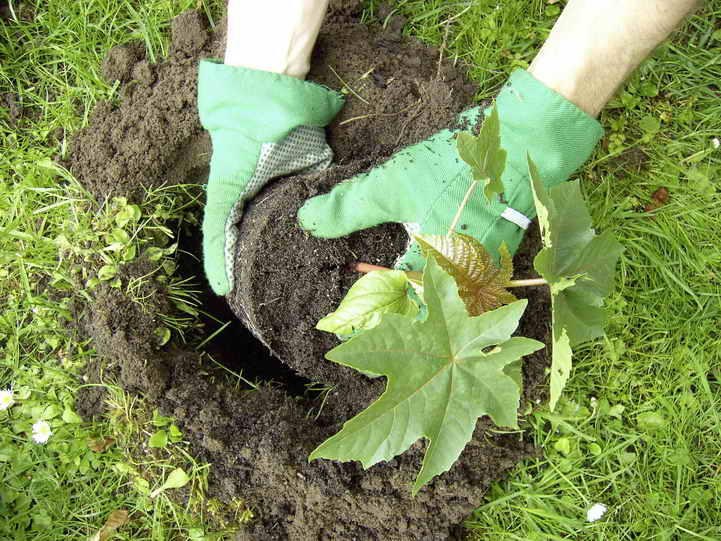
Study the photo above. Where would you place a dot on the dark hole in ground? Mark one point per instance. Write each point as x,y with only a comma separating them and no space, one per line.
234,347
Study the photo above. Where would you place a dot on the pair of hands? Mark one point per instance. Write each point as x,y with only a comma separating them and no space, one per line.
266,125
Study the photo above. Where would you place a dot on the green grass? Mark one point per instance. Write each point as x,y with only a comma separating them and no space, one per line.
640,428
64,489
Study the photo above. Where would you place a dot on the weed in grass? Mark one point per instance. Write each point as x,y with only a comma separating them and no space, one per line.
54,243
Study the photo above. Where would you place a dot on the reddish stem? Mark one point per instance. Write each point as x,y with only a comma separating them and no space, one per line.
366,267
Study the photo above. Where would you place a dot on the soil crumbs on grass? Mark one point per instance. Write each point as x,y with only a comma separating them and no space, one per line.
258,441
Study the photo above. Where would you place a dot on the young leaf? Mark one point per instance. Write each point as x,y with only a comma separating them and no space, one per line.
579,267
484,154
481,284
441,379
176,479
159,439
378,292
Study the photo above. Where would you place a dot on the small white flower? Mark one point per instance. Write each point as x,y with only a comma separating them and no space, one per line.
715,142
596,512
41,432
7,399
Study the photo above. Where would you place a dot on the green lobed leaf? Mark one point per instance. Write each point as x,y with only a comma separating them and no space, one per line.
579,267
443,374
378,292
481,284
484,154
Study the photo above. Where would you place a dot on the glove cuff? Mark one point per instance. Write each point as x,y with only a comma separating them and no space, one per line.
557,134
260,105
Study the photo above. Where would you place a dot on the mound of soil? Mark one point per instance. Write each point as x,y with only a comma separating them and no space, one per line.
258,440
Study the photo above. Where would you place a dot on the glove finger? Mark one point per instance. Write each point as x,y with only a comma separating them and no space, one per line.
216,240
412,259
350,206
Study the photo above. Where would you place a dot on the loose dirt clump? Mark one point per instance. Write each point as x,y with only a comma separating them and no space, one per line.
258,440
153,138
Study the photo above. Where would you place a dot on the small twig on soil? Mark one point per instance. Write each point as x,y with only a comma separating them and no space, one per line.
410,119
350,88
527,283
367,73
361,117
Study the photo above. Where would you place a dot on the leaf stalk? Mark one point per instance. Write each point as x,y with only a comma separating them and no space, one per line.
463,204
527,283
366,267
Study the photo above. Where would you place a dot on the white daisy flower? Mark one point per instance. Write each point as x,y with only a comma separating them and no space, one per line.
7,399
41,432
596,511
715,142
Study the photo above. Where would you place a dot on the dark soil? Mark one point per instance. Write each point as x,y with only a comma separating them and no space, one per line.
258,441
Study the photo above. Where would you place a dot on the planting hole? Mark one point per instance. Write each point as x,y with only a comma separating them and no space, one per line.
234,347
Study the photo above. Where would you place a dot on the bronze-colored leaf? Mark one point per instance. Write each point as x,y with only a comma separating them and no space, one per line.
115,520
100,445
481,284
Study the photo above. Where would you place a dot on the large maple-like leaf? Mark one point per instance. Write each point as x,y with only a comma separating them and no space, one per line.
579,267
484,154
481,284
443,374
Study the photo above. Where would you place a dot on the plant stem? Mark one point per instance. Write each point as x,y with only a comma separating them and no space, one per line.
366,267
527,283
457,217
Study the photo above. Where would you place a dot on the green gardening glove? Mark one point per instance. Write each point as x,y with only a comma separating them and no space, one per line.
422,185
263,125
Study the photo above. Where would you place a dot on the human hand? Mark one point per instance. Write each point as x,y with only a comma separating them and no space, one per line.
423,185
263,125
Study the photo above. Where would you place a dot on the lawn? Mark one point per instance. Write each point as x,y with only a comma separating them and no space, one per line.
639,429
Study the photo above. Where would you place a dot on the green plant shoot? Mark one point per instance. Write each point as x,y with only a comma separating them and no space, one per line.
579,268
449,366
376,293
484,154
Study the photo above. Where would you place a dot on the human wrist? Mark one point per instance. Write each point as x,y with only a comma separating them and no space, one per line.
571,80
595,46
539,122
273,35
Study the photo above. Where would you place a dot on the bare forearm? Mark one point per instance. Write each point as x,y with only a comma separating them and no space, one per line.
596,44
273,35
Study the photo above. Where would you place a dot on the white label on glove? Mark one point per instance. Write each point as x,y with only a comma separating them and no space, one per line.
516,217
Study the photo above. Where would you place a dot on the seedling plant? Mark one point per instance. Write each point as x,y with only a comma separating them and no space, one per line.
443,337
